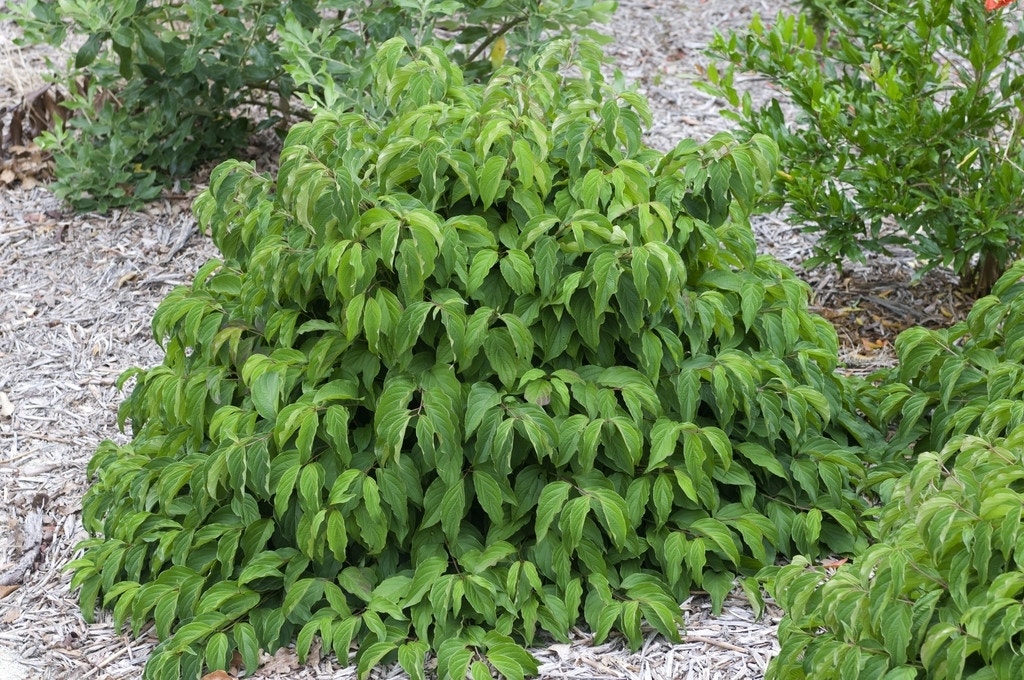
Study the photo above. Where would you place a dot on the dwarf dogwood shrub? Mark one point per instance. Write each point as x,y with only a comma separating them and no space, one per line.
475,367
939,594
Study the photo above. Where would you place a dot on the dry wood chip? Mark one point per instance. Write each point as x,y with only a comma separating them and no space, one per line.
6,407
31,543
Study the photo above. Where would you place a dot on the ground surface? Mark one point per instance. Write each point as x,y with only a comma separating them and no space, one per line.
77,293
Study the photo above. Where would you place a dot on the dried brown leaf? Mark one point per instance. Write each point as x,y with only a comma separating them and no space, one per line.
218,675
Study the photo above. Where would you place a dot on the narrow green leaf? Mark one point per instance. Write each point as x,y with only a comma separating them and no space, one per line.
552,498
490,179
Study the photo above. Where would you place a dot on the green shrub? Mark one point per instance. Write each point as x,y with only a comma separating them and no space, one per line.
939,595
908,130
476,368
967,379
157,87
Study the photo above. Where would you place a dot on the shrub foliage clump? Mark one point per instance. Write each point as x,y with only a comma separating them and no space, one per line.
939,595
473,367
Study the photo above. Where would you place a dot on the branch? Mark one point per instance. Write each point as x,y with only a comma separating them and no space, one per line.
502,30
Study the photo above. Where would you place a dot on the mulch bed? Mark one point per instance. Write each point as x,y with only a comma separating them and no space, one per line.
77,293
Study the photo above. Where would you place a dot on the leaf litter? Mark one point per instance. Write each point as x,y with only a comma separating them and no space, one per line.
77,293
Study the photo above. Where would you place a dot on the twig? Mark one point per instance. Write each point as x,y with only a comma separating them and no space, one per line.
106,662
502,30
716,643
598,666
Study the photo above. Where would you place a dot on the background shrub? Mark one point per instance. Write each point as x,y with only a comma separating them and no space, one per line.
939,595
157,86
908,130
475,365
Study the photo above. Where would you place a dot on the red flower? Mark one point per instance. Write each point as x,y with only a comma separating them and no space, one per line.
992,5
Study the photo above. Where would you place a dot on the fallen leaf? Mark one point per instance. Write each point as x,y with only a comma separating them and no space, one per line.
237,664
283,661
873,345
7,590
218,675
833,563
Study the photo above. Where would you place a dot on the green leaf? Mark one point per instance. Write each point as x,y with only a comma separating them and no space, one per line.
752,295
248,646
483,264
517,270
199,628
718,585
720,535
369,656
613,514
393,415
478,670
453,659
573,515
343,632
664,437
490,179
720,443
629,623
410,326
761,457
552,498
489,495
164,613
896,631
340,490
266,392
263,565
482,398
412,658
304,640
299,597
453,509
752,590
524,161
511,661
311,486
86,54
